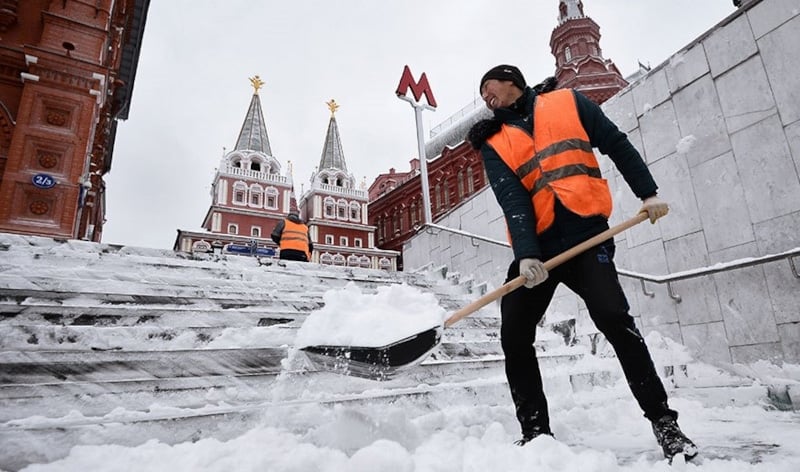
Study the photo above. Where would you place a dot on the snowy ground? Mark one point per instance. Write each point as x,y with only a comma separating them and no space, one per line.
292,426
441,429
599,430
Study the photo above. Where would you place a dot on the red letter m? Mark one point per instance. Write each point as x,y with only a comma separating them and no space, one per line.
417,88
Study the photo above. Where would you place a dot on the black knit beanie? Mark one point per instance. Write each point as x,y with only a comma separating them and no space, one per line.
504,72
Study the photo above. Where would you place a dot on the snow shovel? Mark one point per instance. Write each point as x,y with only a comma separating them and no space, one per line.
384,362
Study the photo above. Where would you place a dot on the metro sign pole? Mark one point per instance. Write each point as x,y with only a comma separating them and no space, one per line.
418,89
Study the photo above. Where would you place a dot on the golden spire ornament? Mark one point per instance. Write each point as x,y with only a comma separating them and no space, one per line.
332,106
257,83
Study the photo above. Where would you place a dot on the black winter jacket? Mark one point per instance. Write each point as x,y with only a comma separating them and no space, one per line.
568,229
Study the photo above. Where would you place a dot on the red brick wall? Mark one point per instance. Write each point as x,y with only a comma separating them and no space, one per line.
57,119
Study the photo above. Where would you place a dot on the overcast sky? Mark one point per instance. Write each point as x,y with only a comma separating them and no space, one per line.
192,90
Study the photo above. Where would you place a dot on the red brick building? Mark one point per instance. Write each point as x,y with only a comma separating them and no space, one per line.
251,194
455,170
336,211
67,69
575,43
396,210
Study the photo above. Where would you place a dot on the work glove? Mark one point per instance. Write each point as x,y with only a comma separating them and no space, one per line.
655,208
533,270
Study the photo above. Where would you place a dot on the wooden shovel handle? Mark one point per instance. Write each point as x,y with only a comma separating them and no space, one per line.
519,281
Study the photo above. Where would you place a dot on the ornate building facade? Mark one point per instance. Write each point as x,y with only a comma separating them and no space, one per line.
455,170
454,175
250,194
575,43
67,69
336,211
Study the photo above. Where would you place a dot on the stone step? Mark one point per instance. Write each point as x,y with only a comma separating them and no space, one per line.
176,271
98,398
148,337
38,367
199,313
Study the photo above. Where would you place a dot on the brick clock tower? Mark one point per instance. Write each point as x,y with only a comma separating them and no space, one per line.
575,43
66,77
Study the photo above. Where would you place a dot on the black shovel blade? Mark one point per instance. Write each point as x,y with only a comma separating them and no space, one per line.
375,363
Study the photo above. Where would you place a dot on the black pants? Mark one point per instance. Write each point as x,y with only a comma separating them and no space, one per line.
293,255
593,277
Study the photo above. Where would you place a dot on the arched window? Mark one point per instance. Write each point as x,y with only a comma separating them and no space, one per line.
256,193
355,211
236,163
470,181
338,260
255,165
255,231
271,199
240,193
365,262
567,54
330,207
233,228
352,260
437,190
460,184
384,263
326,259
342,210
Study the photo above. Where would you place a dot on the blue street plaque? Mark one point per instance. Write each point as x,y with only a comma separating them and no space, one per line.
43,181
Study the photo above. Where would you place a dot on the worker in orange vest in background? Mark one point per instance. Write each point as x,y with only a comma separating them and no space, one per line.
291,236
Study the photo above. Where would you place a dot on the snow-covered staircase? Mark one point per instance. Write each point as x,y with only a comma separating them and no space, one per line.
102,334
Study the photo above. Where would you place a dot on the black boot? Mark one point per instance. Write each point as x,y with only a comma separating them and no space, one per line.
528,437
672,440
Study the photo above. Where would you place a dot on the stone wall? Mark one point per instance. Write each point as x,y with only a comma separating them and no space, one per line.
719,126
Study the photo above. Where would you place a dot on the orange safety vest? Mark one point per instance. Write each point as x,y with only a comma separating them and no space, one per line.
556,162
295,236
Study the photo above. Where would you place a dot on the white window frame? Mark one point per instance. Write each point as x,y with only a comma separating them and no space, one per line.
330,207
355,211
239,187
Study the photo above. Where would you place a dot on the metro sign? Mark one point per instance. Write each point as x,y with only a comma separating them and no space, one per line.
418,89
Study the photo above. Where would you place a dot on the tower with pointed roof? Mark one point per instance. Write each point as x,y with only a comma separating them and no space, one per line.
249,195
575,43
335,209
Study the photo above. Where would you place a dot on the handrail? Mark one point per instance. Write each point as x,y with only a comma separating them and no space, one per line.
717,268
658,279
472,237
